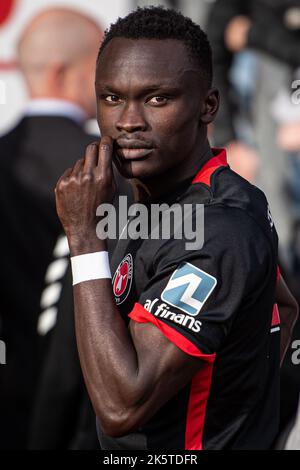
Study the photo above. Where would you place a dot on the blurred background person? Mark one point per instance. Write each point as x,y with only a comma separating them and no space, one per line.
256,48
235,76
253,62
56,54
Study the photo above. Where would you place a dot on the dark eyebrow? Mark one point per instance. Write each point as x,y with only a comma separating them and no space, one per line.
160,86
106,88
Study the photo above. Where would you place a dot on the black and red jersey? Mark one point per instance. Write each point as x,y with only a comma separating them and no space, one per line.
216,303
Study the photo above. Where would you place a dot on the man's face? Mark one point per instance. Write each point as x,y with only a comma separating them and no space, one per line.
149,100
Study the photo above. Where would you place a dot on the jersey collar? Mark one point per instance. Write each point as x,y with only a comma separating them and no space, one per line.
218,160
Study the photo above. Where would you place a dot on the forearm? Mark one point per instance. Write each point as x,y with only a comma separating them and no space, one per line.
107,353
131,371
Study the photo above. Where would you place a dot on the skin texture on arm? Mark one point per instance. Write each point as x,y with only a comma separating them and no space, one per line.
288,311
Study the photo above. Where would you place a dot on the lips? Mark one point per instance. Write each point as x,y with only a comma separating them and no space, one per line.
133,149
133,154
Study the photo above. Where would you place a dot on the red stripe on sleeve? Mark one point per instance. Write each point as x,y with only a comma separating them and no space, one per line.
200,389
200,384
141,315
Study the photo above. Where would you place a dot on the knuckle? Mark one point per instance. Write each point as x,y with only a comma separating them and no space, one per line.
73,180
58,187
100,179
87,178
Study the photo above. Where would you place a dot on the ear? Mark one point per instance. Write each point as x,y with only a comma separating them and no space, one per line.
210,106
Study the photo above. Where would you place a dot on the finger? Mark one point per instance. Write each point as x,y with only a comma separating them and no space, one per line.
91,157
104,167
77,168
65,175
116,160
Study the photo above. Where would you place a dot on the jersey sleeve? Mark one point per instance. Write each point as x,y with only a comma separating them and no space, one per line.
194,296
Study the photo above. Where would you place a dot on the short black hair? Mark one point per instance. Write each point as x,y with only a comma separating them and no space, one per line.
161,23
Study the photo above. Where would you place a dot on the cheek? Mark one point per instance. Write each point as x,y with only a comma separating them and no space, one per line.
175,127
106,119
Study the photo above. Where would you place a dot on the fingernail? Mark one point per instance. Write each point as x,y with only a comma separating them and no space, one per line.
104,146
92,146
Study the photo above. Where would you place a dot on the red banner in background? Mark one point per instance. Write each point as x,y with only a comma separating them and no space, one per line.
6,7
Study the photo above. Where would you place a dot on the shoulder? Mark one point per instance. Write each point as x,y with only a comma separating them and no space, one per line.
234,195
216,230
232,190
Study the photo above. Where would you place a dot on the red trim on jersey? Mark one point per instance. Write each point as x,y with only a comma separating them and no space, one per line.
141,315
278,273
219,159
200,389
200,384
275,316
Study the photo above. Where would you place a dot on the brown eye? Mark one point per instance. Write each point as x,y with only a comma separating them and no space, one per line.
157,100
112,98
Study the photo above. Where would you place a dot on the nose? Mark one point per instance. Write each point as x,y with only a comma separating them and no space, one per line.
132,118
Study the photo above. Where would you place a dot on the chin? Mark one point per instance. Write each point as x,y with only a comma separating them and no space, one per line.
140,169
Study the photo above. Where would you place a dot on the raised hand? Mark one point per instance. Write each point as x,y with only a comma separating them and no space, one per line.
81,189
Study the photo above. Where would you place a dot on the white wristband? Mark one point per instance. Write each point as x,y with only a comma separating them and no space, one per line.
90,266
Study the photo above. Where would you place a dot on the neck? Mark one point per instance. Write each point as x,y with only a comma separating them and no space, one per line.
162,184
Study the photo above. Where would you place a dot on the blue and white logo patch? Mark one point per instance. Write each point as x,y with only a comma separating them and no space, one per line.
188,288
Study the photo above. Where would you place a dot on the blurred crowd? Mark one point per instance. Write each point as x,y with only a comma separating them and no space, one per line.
43,400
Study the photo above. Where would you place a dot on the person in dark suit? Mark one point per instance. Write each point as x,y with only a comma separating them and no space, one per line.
62,416
57,54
